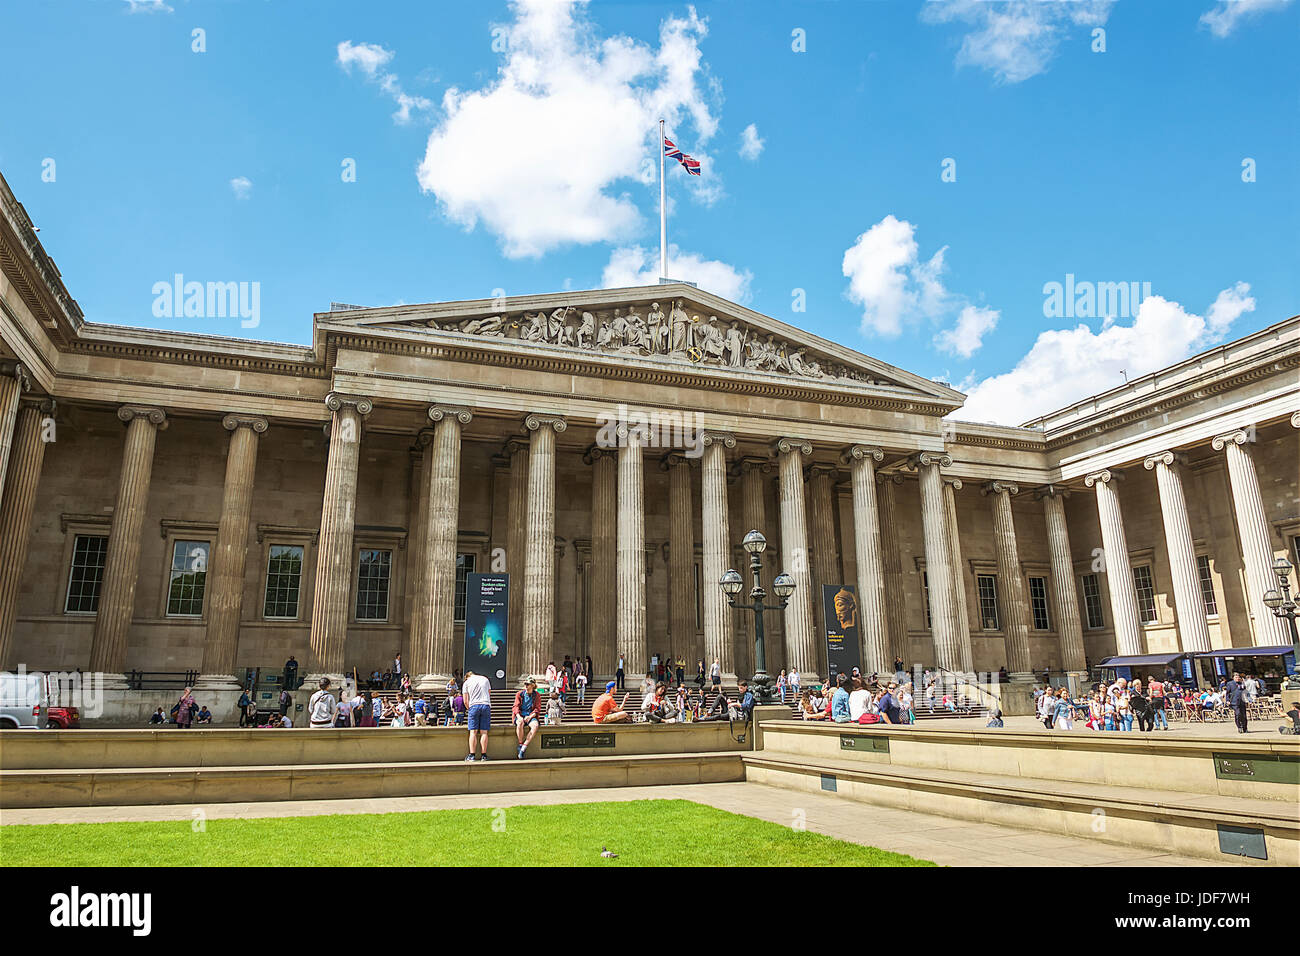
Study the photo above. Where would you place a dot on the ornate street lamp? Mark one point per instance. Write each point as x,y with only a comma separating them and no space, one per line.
1282,605
783,586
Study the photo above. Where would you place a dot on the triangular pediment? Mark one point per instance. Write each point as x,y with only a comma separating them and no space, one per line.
676,324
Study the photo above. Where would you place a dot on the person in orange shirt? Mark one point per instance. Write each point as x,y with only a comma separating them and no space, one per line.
605,711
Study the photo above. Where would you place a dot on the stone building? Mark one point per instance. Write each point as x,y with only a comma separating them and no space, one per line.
176,501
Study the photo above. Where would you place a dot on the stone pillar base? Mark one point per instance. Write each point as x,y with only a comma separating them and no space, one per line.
115,682
218,682
1077,682
430,683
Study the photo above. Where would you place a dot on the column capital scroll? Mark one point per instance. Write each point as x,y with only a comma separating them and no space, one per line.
1238,437
336,400
235,421
155,415
423,439
997,487
674,458
1295,419
926,458
1105,476
862,452
784,446
1051,491
725,439
750,463
536,420
438,412
893,478
955,482
595,453
16,370
1163,458
42,403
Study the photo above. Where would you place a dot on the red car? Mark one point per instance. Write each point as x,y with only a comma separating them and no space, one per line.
62,718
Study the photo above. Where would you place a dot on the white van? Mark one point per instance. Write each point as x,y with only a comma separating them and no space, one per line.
24,701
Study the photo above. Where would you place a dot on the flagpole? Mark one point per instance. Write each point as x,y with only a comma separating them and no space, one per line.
663,210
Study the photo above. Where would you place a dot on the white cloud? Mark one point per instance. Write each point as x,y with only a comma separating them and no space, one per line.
242,187
751,145
147,6
894,285
967,335
538,154
1014,39
1066,365
370,59
636,265
1224,16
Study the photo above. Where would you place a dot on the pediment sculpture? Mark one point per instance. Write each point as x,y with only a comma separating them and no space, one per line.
674,334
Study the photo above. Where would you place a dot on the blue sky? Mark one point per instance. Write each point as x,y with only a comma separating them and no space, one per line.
504,146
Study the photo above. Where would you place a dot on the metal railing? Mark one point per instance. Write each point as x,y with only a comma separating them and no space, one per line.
160,680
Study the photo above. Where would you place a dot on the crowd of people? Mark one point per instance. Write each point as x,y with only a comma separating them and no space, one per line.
1124,705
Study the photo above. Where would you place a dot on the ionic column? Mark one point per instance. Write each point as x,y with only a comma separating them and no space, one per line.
681,557
800,636
14,380
1253,530
122,560
1068,624
603,585
718,630
825,556
892,562
753,474
1189,605
330,602
25,460
631,552
516,450
872,615
539,565
417,549
440,545
230,558
938,563
1119,573
1016,610
950,488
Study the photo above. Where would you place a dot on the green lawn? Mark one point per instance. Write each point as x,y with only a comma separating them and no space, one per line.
641,832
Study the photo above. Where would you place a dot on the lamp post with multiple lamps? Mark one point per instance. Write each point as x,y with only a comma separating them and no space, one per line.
782,586
1284,606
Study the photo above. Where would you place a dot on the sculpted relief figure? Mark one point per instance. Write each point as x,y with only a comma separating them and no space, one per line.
731,344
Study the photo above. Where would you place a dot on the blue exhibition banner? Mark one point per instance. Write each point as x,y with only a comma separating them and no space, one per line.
487,609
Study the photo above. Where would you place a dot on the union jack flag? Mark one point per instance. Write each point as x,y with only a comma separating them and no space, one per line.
672,152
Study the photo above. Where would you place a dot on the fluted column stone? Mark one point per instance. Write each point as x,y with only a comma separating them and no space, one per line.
754,475
1189,605
230,559
332,597
417,549
539,568
516,450
122,560
892,562
1253,531
14,381
800,634
719,632
437,645
603,586
681,557
825,556
25,459
1068,624
1118,570
965,654
938,562
873,628
631,560
1016,612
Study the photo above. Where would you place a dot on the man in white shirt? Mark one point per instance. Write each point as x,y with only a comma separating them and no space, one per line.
794,681
477,691
322,707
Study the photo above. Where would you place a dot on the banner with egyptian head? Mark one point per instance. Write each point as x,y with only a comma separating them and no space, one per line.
487,607
840,602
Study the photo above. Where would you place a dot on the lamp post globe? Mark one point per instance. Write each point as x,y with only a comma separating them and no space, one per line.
754,542
783,585
1273,599
731,582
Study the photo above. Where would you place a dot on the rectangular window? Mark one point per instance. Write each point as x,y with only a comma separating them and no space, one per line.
373,571
925,596
1038,603
283,581
188,580
87,573
1146,594
464,568
1207,585
988,591
1092,601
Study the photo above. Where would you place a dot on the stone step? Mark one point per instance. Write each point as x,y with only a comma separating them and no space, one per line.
1192,824
240,784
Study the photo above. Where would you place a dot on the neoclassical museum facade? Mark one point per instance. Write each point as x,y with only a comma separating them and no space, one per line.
177,501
